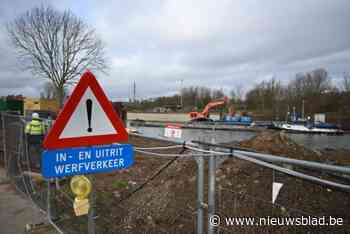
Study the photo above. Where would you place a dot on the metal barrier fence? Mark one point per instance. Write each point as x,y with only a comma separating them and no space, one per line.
18,159
205,189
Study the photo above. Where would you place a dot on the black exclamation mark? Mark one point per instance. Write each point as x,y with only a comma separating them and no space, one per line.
88,110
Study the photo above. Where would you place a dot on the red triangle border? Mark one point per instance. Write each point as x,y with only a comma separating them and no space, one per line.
52,140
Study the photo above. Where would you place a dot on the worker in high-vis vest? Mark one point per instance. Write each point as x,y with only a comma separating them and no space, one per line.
35,127
35,131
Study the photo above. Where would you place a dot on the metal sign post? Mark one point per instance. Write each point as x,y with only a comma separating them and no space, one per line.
211,191
200,193
92,210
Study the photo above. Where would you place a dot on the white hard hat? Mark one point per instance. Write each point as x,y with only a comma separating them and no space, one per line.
35,115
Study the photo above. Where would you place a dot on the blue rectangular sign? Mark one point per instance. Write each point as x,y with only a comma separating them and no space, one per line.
86,160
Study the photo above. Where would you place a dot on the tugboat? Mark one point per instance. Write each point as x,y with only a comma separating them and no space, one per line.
297,125
309,127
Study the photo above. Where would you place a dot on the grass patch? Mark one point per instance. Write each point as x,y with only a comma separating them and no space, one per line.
119,184
104,196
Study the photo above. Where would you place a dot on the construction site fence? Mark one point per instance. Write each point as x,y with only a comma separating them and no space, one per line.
215,193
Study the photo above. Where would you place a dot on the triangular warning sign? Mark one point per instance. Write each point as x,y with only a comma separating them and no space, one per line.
87,118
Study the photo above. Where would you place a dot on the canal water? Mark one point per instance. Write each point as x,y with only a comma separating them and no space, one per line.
321,141
199,134
311,141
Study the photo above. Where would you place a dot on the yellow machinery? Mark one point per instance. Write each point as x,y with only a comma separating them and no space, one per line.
33,104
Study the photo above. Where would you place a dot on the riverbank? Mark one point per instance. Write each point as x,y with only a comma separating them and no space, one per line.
164,117
205,126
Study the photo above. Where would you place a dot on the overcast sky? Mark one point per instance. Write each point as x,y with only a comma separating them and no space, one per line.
219,44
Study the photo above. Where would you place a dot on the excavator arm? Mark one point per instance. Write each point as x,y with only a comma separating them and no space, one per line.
205,113
213,104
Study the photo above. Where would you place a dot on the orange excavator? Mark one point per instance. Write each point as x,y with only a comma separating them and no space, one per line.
204,115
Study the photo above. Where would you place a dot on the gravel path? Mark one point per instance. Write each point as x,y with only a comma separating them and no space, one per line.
16,211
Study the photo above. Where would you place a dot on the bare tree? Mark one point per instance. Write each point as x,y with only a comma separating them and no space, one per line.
48,91
239,92
346,82
56,45
217,94
232,96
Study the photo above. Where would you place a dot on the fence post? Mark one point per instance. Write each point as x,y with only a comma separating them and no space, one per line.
4,142
48,185
49,200
200,193
92,211
211,192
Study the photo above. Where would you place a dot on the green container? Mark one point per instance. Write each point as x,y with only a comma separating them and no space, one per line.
3,105
15,105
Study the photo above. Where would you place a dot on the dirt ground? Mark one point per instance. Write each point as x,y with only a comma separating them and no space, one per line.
158,195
